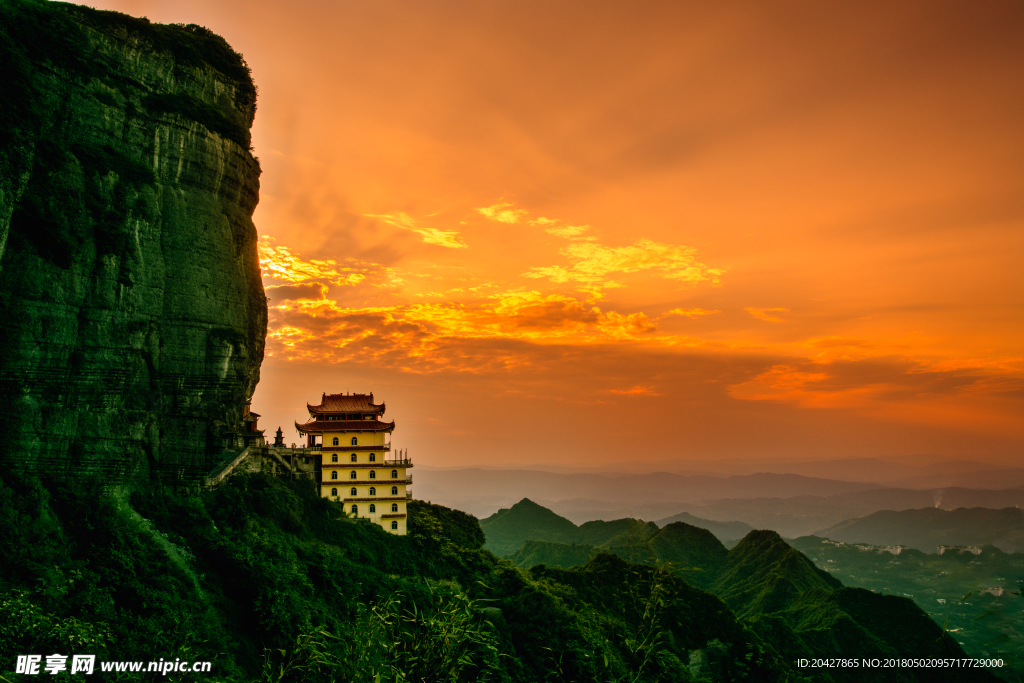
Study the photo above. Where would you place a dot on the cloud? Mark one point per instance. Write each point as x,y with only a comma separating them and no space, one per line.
592,262
690,312
537,311
892,388
765,314
441,238
635,391
504,213
279,263
571,232
543,221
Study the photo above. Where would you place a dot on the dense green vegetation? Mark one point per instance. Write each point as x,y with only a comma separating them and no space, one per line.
986,623
273,583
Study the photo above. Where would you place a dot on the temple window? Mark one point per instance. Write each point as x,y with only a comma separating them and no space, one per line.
394,474
373,508
334,474
354,441
373,491
334,492
373,457
373,474
352,457
394,490
334,457
353,492
355,509
352,474
394,507
394,525
335,442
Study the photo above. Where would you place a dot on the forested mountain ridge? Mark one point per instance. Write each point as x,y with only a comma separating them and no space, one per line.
272,583
775,590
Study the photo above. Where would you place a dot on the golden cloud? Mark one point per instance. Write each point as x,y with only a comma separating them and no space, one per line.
504,213
441,238
765,314
573,232
690,312
635,391
279,263
591,262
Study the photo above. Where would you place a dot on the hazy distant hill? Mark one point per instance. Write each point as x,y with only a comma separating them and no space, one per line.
725,531
508,529
927,528
492,488
803,515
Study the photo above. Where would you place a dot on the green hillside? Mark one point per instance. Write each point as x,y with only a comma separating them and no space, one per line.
795,608
563,555
508,528
976,597
272,583
763,574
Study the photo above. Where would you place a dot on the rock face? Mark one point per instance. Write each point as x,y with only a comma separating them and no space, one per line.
132,315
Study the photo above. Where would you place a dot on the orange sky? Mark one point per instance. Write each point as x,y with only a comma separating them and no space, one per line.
578,232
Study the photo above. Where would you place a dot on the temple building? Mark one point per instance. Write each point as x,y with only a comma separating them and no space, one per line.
346,433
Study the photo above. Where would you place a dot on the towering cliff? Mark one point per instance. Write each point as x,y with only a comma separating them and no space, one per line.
132,316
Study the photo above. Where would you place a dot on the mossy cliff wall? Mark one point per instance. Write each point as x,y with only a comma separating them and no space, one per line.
132,315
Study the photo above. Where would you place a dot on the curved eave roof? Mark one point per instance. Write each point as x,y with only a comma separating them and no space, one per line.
320,410
346,403
322,426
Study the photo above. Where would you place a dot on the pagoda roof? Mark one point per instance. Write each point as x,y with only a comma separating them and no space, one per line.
320,426
346,403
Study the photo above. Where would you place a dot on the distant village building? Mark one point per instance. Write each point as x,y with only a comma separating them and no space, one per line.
350,443
973,549
894,549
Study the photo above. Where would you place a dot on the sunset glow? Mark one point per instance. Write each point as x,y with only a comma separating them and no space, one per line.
757,231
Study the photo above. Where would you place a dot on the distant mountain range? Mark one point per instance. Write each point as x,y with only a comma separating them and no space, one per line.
927,528
492,488
792,505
